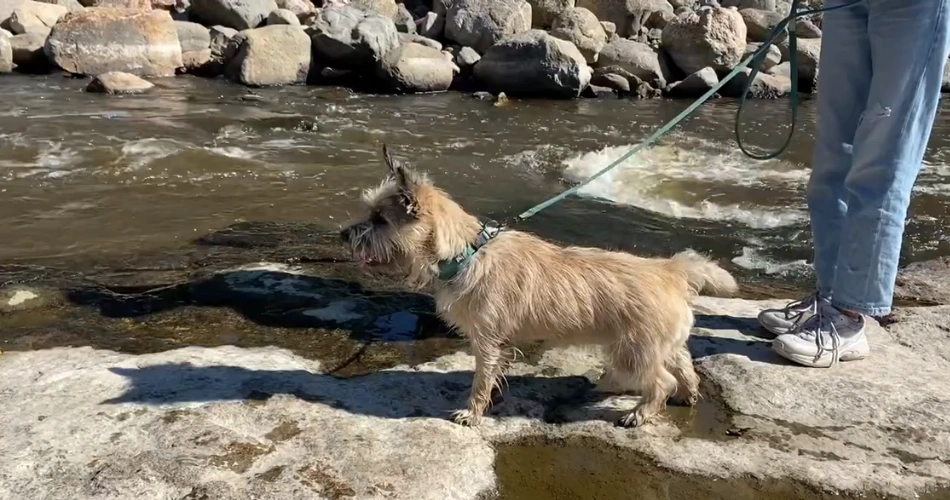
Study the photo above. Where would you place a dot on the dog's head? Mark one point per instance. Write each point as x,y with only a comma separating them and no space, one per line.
408,225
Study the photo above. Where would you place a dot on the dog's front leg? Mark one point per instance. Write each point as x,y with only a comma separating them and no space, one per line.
488,360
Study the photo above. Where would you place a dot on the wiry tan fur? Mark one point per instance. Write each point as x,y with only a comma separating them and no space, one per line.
520,288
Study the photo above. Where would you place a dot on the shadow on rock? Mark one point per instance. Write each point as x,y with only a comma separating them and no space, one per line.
757,345
387,394
275,298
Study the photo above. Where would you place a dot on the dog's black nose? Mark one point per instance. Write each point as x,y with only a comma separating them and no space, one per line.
345,234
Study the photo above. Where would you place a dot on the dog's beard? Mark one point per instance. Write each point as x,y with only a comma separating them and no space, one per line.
374,249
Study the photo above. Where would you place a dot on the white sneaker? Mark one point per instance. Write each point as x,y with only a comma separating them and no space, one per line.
784,320
827,337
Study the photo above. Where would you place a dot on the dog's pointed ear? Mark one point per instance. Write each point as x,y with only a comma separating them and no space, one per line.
404,179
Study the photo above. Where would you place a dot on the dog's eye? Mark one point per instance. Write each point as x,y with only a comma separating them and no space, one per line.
377,219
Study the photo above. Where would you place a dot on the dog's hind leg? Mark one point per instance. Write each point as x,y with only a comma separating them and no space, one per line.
488,369
680,364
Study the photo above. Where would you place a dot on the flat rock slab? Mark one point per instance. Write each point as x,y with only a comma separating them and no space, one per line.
228,422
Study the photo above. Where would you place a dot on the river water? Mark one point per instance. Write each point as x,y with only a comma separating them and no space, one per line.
84,174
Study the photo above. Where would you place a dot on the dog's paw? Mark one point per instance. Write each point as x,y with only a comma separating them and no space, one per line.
632,419
466,418
685,400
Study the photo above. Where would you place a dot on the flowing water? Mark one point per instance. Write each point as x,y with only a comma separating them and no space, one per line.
85,174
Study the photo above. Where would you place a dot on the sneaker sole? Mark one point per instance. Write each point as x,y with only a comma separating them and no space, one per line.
856,352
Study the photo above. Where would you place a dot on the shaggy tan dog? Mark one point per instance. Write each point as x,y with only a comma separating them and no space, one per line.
507,287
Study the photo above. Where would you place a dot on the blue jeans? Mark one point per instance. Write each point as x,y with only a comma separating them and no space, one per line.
880,72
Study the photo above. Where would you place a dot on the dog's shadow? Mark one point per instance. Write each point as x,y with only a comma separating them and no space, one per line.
393,394
752,340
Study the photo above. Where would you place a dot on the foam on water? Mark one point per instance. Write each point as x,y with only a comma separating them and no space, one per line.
654,180
139,154
753,260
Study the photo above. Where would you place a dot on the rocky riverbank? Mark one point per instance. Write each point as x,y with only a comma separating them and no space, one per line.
261,363
542,48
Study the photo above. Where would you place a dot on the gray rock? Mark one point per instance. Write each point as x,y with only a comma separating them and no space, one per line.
415,68
772,58
629,57
224,45
534,63
804,28
765,86
609,28
6,54
28,52
924,329
348,38
195,42
404,21
760,23
116,82
480,24
303,9
272,55
695,84
97,41
385,8
580,27
71,5
431,25
766,5
782,69
628,16
466,58
419,39
544,12
927,282
809,53
282,16
613,81
710,37
35,17
6,10
237,14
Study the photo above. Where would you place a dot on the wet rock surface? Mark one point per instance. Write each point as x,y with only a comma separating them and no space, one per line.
261,363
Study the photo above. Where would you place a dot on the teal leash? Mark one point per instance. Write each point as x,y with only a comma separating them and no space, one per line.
758,57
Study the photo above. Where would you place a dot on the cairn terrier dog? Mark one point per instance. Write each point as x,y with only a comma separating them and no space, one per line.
504,287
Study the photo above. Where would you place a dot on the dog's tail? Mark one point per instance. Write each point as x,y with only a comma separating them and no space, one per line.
703,275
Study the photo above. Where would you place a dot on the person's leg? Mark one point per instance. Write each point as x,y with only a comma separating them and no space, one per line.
844,81
910,41
844,73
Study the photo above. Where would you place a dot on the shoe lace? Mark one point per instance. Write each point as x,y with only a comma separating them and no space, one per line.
821,320
807,305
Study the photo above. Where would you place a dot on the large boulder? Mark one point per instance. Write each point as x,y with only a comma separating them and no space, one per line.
195,42
627,15
28,53
272,55
385,8
120,4
100,40
581,27
713,37
765,86
414,68
628,57
348,38
760,23
116,82
35,17
545,12
479,24
283,16
6,54
534,63
237,14
71,5
773,55
695,84
303,9
223,45
809,53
